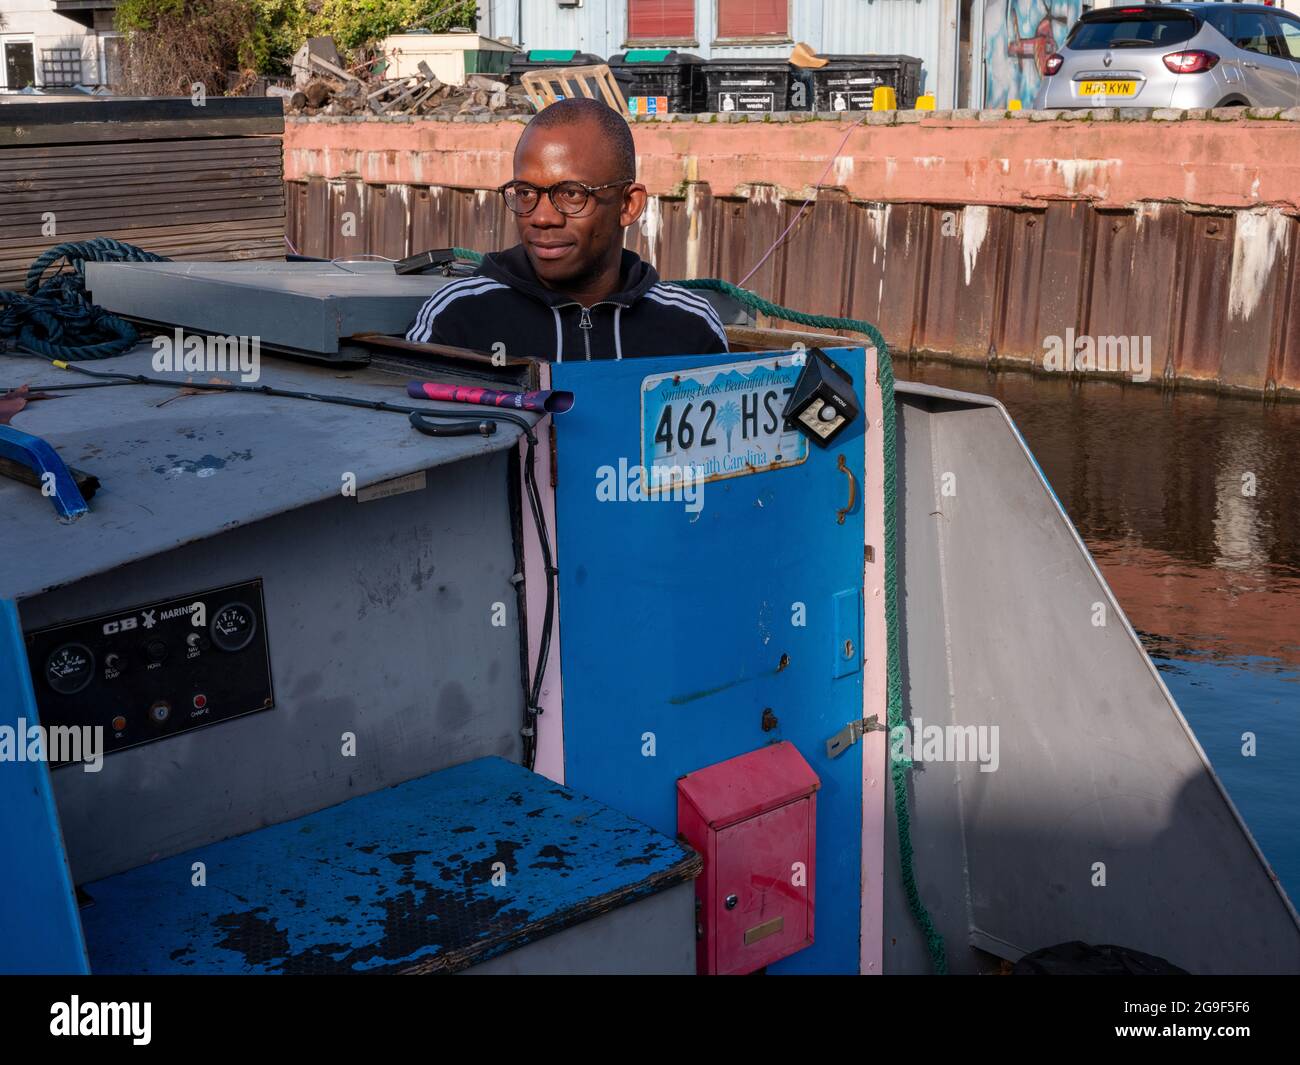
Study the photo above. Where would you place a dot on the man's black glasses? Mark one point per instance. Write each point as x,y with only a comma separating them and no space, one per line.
569,197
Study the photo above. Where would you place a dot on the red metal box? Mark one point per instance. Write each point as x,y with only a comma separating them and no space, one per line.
754,820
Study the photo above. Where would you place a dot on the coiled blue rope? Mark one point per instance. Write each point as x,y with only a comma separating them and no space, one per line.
54,319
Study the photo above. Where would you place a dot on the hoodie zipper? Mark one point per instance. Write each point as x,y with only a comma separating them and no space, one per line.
584,323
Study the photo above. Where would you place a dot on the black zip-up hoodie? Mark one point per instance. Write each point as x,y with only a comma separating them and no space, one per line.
504,303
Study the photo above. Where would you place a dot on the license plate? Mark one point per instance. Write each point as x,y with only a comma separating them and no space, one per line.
719,421
1107,88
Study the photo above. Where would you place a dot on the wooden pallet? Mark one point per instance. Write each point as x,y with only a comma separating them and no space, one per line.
541,86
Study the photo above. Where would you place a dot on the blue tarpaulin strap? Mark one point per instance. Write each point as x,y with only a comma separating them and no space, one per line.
44,461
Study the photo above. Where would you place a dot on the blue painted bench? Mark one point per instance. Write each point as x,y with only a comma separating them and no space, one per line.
435,875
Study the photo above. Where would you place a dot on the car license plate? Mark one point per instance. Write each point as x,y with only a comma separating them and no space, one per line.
1108,88
719,421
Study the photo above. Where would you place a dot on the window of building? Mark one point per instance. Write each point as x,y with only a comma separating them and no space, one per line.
661,20
749,19
60,66
17,64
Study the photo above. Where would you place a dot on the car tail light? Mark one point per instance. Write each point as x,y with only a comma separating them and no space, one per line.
1194,61
1053,63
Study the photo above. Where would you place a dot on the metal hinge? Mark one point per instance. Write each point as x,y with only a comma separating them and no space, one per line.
851,733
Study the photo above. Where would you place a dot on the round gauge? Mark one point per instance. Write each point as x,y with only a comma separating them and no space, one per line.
233,627
70,668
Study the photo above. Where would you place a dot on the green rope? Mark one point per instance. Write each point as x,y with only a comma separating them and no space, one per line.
894,671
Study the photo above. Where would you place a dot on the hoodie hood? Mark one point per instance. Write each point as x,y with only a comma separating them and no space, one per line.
512,267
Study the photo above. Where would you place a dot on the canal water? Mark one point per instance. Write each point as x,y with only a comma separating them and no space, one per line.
1190,503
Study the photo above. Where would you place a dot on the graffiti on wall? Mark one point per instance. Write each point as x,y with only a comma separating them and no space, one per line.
1019,35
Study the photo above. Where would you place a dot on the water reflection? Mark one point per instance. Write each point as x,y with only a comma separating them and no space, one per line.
1188,502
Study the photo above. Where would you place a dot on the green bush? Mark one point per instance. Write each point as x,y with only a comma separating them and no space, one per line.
280,31
262,35
355,22
146,15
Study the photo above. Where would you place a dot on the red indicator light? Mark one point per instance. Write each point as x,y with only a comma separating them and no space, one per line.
1053,63
200,701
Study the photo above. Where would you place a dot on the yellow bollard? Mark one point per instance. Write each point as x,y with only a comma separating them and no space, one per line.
1013,105
883,99
926,102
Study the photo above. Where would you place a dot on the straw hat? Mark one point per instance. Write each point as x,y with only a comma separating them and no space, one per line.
803,56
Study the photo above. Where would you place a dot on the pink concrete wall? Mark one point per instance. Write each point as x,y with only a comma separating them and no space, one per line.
1233,164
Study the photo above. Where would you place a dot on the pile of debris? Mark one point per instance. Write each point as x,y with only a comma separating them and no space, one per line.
332,90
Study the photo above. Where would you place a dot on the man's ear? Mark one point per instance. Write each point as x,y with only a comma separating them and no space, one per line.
634,201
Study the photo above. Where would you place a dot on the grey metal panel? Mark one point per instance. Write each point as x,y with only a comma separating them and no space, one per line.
838,27
653,936
379,624
1096,762
594,26
218,459
936,816
305,306
851,27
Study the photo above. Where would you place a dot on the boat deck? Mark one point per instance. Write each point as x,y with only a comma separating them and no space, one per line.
433,875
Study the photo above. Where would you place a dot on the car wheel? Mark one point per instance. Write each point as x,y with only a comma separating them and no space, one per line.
1233,101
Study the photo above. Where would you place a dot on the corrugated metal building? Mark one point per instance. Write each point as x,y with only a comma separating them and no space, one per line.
743,28
974,53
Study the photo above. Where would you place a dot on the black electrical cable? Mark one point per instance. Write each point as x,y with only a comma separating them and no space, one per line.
419,419
64,387
533,709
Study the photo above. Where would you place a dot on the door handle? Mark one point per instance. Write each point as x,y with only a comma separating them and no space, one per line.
1252,66
843,467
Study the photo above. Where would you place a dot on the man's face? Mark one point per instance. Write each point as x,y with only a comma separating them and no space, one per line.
566,250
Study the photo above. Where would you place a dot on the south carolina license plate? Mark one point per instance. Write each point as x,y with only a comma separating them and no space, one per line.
1107,88
719,421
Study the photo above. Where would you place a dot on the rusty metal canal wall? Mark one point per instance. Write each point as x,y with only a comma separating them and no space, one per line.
980,237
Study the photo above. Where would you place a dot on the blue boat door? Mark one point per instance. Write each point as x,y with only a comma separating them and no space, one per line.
712,611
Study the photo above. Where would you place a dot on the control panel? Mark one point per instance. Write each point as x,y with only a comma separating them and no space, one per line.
155,670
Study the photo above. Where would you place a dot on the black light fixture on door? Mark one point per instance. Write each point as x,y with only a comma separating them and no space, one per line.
822,404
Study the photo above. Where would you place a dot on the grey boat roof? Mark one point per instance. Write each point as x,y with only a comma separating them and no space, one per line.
303,306
219,459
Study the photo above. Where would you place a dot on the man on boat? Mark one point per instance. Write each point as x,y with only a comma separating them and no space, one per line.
569,290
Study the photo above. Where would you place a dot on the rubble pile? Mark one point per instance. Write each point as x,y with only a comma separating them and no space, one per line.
331,90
